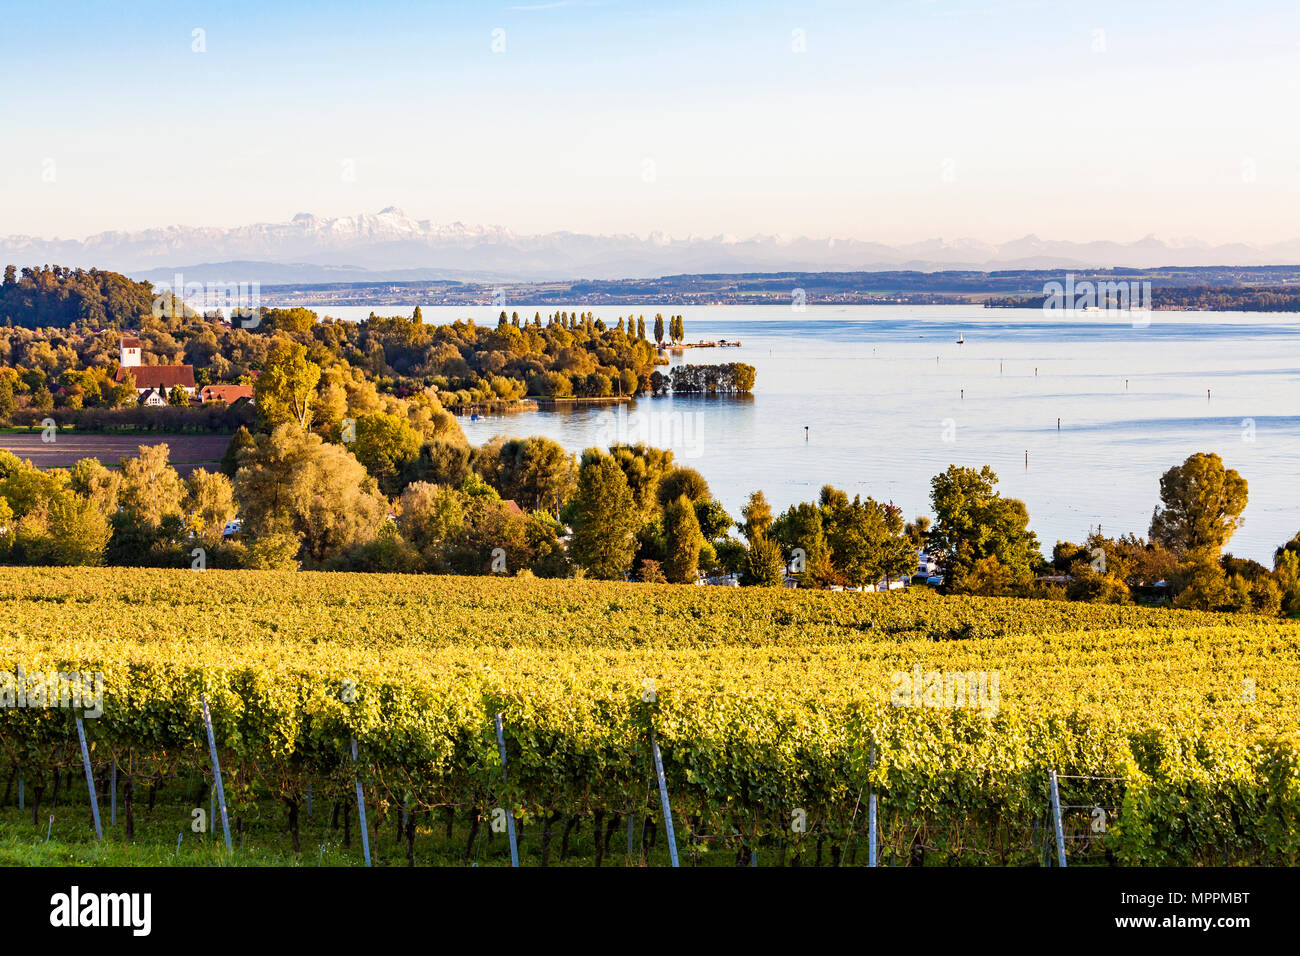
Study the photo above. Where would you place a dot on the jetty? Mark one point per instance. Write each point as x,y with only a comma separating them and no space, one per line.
682,346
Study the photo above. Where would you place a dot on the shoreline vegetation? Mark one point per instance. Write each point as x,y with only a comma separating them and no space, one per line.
350,459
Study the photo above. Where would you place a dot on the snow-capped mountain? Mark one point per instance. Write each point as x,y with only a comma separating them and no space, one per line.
391,246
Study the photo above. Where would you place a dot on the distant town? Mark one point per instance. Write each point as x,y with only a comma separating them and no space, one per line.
1266,288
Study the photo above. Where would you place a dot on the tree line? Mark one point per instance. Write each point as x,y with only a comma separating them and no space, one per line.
376,493
1201,298
59,297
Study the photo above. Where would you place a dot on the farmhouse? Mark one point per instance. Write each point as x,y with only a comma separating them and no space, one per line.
152,378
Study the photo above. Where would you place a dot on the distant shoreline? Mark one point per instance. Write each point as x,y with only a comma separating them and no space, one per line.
1216,286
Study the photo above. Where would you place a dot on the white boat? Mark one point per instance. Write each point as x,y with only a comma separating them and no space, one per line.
961,339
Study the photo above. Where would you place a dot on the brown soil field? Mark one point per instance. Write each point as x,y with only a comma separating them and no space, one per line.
188,452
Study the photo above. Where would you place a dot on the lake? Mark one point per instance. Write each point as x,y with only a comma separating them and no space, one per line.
889,399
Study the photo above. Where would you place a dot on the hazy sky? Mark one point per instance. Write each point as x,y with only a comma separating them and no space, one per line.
889,121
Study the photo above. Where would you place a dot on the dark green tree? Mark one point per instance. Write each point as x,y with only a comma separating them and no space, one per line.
238,442
683,481
764,565
713,518
1202,505
973,522
682,542
536,472
799,530
604,518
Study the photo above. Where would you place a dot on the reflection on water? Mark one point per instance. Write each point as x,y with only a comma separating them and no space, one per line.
889,399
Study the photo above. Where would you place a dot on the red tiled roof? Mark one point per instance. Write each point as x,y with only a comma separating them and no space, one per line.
225,393
130,342
159,376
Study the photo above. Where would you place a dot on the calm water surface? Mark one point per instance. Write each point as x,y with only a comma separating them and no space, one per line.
890,399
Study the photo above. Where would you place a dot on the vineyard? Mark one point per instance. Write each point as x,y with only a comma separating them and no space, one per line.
777,714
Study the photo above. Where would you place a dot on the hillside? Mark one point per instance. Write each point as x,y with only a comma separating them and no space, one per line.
763,704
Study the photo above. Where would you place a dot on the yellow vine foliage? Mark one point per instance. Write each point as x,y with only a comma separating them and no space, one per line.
764,701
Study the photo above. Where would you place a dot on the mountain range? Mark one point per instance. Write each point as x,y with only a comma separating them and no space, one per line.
390,246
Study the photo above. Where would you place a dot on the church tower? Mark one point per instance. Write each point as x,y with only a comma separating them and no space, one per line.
130,351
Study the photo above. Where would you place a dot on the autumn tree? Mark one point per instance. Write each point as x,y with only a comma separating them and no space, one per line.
209,504
7,402
386,444
800,531
90,479
758,517
644,467
294,482
287,386
151,489
1201,506
68,531
430,517
241,440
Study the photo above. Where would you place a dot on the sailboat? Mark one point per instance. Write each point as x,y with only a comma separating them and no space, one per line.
961,340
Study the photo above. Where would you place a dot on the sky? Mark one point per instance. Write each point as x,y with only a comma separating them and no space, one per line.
882,121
